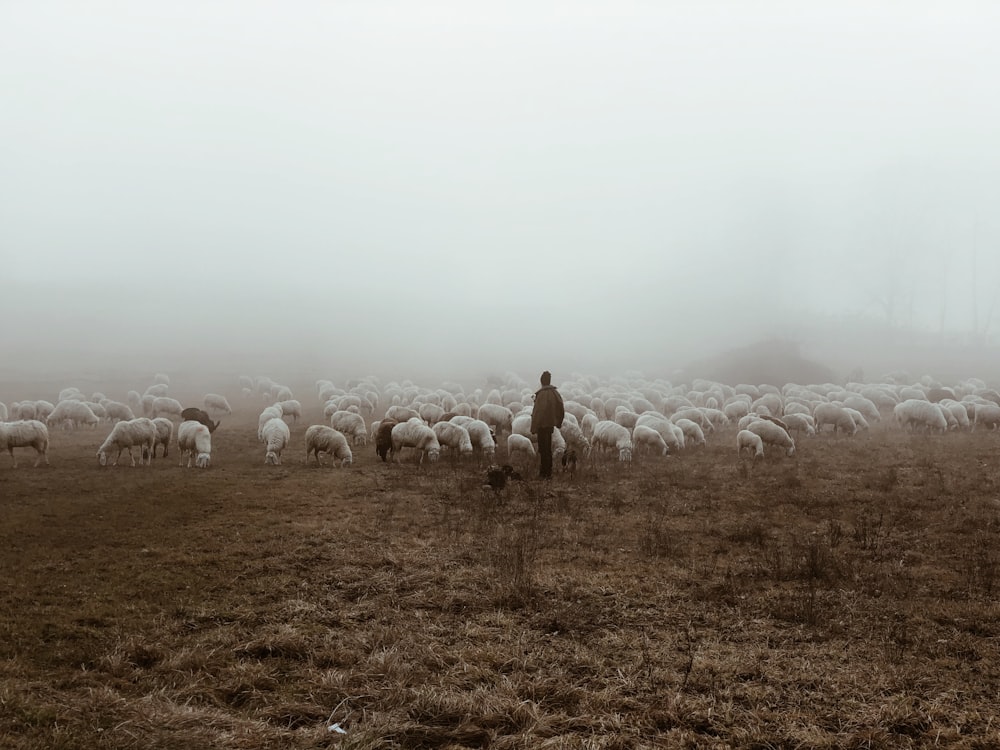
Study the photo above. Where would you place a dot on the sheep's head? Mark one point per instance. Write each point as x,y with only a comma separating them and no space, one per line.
203,460
102,458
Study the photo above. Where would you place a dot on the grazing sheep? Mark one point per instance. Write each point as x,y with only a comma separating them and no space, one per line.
291,408
25,433
195,441
383,438
146,405
415,434
865,406
430,413
23,410
610,435
99,411
454,437
481,435
118,411
164,432
772,434
401,414
750,442
352,425
3,412
645,438
957,411
799,423
43,409
323,439
71,394
693,434
625,417
134,401
194,414
140,433
161,378
164,406
672,435
156,390
696,415
269,413
987,415
498,417
73,413
913,414
835,415
275,435
219,404
519,444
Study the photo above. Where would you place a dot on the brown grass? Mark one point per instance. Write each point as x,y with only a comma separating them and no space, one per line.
845,598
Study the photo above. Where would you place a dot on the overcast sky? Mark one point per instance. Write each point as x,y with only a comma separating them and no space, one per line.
477,180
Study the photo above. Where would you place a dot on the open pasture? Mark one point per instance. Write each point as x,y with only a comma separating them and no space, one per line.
843,597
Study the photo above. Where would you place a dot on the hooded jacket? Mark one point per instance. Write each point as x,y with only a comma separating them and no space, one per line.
548,410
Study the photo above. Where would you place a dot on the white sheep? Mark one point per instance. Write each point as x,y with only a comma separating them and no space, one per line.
750,442
99,411
415,434
269,413
430,413
3,412
481,436
217,403
987,415
24,410
73,413
496,416
43,409
454,437
70,394
957,411
161,378
838,416
26,433
920,414
164,432
195,441
773,434
291,408
139,433
164,406
799,423
134,401
610,435
323,439
276,435
693,434
156,390
519,444
351,425
401,414
646,438
866,406
118,411
672,435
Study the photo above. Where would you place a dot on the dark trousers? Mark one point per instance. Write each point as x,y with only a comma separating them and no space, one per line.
545,451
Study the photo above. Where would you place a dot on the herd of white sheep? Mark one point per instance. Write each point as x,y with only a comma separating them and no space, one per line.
618,418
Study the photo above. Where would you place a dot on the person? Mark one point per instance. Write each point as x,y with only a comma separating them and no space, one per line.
547,414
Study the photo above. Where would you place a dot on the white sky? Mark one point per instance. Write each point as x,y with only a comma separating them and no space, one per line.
630,174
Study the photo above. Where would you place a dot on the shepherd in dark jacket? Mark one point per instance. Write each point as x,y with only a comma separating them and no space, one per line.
547,414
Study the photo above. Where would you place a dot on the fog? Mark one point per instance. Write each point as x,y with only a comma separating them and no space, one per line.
452,188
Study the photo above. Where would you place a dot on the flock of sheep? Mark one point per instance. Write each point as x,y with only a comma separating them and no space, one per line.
621,417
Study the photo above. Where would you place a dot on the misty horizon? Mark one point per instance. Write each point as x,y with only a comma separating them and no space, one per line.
444,188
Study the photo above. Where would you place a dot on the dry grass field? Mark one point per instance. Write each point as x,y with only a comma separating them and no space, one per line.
846,597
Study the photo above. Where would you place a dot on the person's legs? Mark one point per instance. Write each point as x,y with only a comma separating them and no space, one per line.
545,452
